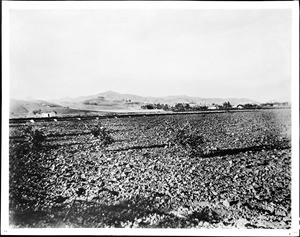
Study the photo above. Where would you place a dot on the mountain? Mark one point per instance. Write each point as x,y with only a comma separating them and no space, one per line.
108,95
118,98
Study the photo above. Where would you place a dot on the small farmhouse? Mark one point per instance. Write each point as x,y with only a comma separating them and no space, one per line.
213,107
239,106
49,114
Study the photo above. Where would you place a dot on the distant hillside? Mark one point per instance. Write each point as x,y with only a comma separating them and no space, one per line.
123,100
32,108
105,102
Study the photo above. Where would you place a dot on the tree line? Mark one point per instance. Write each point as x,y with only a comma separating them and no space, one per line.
187,107
183,106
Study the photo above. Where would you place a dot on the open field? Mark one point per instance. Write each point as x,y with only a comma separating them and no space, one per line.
149,173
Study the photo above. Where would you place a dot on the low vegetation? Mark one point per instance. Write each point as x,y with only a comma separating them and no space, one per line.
103,135
186,137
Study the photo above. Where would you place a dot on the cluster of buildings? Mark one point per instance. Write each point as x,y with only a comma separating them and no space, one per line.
225,106
250,106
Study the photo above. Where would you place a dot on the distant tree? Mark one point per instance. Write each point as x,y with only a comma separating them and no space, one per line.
203,107
39,111
179,107
159,106
227,105
187,107
248,106
148,106
252,106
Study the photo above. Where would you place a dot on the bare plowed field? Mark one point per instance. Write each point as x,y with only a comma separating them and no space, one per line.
229,170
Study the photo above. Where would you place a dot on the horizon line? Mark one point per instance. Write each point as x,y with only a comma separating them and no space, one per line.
165,96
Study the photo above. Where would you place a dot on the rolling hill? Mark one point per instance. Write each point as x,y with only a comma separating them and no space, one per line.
124,99
108,101
34,108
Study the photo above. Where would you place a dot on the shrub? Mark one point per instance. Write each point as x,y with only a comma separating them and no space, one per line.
34,137
103,135
187,138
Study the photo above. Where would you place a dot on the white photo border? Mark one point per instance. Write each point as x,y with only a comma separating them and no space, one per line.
9,5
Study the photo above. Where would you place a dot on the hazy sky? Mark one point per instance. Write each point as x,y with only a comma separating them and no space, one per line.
205,53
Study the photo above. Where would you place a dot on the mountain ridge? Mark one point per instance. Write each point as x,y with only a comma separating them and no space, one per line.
107,101
171,99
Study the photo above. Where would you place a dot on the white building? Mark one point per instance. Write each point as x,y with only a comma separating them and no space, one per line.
48,114
212,107
239,106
